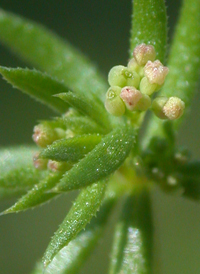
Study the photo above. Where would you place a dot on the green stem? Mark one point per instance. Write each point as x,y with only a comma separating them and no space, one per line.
149,25
184,63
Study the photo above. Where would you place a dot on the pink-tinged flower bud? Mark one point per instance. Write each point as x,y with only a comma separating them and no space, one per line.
143,53
130,96
58,166
155,72
174,108
168,108
39,163
45,135
114,104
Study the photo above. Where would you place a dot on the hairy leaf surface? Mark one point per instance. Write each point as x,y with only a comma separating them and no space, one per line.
83,209
72,149
46,51
103,160
38,85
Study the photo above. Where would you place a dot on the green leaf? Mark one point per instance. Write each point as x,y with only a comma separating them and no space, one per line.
83,209
132,247
87,107
72,257
184,63
36,84
149,25
72,149
46,51
103,160
83,125
16,168
191,168
37,195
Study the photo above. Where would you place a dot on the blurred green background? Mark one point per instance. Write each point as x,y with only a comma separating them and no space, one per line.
101,30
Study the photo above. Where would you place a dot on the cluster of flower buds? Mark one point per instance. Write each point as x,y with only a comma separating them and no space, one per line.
131,87
45,134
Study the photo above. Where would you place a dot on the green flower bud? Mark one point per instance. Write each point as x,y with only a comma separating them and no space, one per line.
155,72
114,104
133,79
157,106
144,103
133,66
146,87
130,96
116,76
174,108
143,53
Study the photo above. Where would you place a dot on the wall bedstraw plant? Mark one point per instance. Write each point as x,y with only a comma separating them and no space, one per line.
93,144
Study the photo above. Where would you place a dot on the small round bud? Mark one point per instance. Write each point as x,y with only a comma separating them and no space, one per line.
155,72
133,79
130,96
146,87
157,106
116,76
143,53
58,166
45,135
133,66
144,103
39,163
174,108
114,104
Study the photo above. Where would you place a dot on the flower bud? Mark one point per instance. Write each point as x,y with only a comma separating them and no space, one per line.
143,53
130,96
133,79
157,106
174,108
45,135
168,108
144,103
114,104
155,72
116,76
146,87
133,66
39,163
58,166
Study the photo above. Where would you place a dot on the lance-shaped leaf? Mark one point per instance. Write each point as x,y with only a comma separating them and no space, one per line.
16,168
87,107
48,52
83,125
72,257
83,209
72,149
132,247
36,84
103,160
37,195
149,25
